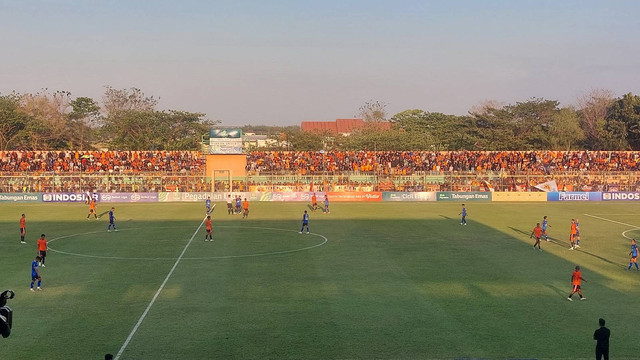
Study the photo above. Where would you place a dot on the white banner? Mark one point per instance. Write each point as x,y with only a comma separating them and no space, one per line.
549,186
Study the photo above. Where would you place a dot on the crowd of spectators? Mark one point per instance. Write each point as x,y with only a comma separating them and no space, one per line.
101,162
410,162
153,171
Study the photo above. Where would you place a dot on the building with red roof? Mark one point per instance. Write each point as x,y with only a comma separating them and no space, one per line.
341,126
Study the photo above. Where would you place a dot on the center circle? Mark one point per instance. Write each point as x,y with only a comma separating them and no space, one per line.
322,240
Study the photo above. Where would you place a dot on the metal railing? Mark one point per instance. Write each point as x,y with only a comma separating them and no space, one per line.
353,181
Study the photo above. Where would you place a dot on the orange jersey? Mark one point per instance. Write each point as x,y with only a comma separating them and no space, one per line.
537,231
574,229
92,205
314,199
576,277
208,224
245,205
42,244
23,223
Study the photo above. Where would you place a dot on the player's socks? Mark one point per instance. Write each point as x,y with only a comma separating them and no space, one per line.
39,282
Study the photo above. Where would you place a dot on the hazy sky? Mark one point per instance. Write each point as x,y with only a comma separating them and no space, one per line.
282,62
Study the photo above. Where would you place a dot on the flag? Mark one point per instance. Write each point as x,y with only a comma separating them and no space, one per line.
548,186
311,187
488,186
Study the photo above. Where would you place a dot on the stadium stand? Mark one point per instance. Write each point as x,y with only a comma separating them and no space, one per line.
155,171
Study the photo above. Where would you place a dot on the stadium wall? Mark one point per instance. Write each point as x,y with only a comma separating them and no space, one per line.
370,196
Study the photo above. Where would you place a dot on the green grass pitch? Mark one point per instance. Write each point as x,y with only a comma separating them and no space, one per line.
385,280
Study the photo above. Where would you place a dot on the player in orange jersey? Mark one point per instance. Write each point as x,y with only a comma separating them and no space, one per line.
42,249
537,231
314,202
245,208
92,209
576,278
23,228
209,228
572,234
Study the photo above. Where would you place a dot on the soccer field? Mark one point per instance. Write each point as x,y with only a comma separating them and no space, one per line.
385,280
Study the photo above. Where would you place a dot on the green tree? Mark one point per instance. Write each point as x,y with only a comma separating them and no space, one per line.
84,117
623,121
565,131
592,112
13,123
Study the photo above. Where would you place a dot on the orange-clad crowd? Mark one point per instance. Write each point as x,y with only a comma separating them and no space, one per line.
409,162
186,162
153,171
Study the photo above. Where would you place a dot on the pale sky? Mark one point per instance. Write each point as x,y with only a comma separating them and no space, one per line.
283,62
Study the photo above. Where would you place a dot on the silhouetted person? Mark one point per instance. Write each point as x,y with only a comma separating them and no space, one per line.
601,336
108,357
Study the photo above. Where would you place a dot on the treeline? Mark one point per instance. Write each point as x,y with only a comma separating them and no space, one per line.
126,119
599,121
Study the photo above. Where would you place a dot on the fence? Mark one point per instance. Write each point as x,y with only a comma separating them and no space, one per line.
350,182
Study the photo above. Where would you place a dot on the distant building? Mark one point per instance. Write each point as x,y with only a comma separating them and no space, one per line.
342,126
252,141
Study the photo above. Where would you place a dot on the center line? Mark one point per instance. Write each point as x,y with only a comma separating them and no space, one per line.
144,314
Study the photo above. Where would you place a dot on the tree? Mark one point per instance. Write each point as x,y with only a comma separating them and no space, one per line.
435,131
12,123
156,130
623,121
592,111
373,111
47,127
565,131
84,116
115,100
520,126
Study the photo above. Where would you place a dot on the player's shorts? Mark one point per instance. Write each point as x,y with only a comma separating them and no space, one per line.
112,222
209,231
305,223
22,230
577,234
34,277
537,237
576,287
634,259
91,211
315,204
43,253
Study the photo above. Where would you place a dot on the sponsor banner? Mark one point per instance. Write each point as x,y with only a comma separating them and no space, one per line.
20,197
352,196
202,196
463,196
67,197
574,196
519,196
632,196
304,196
408,196
128,197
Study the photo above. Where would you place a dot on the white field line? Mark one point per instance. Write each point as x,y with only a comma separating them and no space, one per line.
624,233
146,311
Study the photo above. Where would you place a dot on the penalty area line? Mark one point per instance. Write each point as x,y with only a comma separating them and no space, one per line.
613,221
153,300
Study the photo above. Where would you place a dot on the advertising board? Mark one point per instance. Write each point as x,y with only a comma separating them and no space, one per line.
67,197
519,196
574,196
20,197
625,196
353,196
128,197
408,196
463,196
